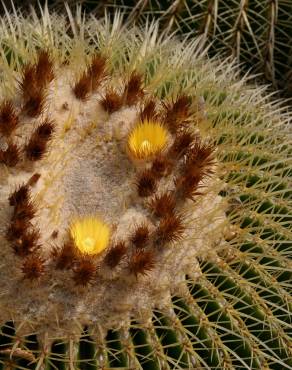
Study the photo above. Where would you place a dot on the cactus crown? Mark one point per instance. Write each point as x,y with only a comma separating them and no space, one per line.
141,182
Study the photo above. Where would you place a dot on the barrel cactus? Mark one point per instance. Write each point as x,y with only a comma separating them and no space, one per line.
145,202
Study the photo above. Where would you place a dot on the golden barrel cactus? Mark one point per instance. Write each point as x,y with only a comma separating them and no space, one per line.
145,197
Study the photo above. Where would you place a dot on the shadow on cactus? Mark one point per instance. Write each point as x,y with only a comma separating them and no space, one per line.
145,219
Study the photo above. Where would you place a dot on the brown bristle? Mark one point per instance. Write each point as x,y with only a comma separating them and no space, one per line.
27,243
65,256
19,196
170,229
33,267
45,130
200,156
140,236
115,254
34,104
91,78
163,204
28,82
82,87
146,184
141,262
24,211
187,186
149,111
84,271
10,157
17,229
34,179
97,70
177,112
54,234
161,166
112,101
36,147
181,144
8,118
44,69
133,90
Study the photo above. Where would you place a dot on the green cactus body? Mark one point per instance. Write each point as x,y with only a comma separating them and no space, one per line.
145,203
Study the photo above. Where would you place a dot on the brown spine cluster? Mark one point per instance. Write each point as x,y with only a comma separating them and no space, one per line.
133,90
149,111
161,166
140,237
84,271
23,237
64,258
163,204
37,144
27,244
112,101
170,229
177,113
146,183
19,196
115,254
198,164
35,79
33,267
141,262
8,118
182,142
91,78
10,156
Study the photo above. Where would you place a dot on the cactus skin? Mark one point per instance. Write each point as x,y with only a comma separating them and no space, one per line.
257,33
234,310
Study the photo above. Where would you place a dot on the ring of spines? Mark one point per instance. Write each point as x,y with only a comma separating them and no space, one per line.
187,160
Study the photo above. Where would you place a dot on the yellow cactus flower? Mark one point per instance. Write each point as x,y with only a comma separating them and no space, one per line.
146,139
90,235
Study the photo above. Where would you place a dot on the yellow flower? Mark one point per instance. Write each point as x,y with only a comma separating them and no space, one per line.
147,139
90,235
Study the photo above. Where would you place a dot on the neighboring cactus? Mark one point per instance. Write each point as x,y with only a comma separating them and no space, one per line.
258,33
145,216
